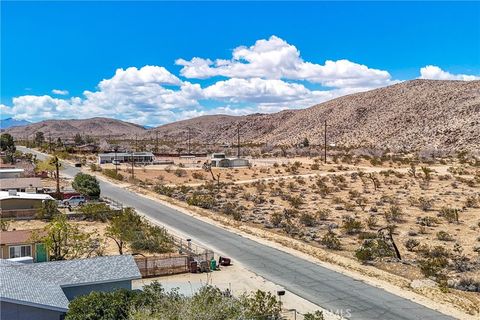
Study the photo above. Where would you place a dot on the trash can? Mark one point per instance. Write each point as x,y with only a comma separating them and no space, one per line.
193,266
213,264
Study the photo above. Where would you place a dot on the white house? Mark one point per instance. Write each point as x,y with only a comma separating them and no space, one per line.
221,161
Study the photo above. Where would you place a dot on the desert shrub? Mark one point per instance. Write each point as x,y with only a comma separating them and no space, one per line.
393,214
411,244
317,315
331,241
180,173
371,221
96,211
164,190
295,201
444,236
198,175
351,225
472,202
201,200
425,204
367,235
467,283
324,214
315,166
94,167
111,173
427,221
450,214
276,219
372,249
308,220
432,267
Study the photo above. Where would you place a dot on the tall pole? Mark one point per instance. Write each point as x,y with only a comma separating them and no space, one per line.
238,141
325,142
156,141
116,161
133,163
189,141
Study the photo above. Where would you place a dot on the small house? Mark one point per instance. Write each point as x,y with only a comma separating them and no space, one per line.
15,204
20,244
43,291
30,185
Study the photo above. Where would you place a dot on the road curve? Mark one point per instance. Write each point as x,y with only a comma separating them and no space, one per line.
324,287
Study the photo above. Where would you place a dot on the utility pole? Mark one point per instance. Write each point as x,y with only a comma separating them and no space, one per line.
156,141
238,141
133,164
325,142
56,163
136,142
116,161
189,141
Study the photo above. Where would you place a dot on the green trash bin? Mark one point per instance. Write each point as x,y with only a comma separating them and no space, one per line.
213,264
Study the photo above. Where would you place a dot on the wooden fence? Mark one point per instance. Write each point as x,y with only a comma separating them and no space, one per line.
163,265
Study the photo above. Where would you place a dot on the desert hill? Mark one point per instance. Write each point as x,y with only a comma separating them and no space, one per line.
98,127
411,115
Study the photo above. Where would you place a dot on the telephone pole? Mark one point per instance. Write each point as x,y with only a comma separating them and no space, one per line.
156,141
325,142
133,164
50,141
238,141
189,141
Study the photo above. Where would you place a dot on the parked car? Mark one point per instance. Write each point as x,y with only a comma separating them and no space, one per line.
78,165
115,162
74,201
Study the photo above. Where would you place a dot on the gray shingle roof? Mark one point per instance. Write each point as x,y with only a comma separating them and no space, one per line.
41,283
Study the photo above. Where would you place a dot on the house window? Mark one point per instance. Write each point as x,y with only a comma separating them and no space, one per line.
20,251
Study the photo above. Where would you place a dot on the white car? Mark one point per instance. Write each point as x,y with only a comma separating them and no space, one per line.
74,201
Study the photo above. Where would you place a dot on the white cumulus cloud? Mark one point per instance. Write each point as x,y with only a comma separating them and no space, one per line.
436,73
274,58
60,92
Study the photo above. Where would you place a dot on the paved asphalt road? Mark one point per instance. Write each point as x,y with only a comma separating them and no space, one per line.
329,289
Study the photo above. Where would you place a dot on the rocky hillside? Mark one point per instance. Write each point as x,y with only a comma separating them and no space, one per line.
412,115
98,127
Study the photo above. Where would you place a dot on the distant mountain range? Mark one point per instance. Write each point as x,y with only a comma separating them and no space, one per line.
97,127
411,115
10,122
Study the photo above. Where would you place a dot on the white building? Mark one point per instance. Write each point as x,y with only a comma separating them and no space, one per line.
138,157
11,173
221,161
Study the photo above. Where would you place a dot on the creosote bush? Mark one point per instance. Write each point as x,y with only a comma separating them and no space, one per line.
331,241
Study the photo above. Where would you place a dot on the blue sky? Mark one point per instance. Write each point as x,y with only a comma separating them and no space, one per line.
272,55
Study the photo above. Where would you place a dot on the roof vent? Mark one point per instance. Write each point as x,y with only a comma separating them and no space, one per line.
12,192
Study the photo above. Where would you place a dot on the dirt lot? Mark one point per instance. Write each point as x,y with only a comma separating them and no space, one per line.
437,206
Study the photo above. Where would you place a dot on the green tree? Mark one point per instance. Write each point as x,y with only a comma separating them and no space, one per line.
39,138
101,305
65,240
8,146
305,142
6,141
78,139
123,228
48,210
86,184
